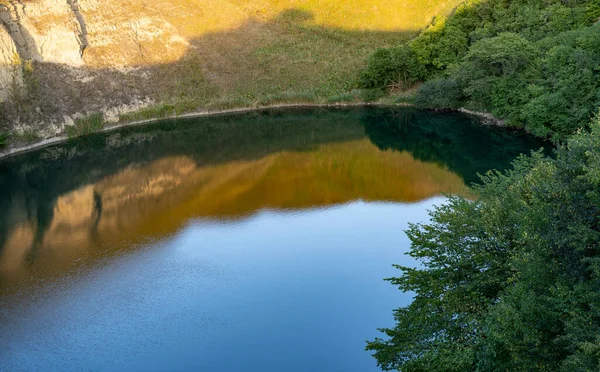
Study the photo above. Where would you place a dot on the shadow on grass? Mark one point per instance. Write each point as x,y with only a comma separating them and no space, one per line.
284,59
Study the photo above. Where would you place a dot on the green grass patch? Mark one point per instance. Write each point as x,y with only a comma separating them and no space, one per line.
27,136
370,95
86,125
403,99
342,97
287,97
153,112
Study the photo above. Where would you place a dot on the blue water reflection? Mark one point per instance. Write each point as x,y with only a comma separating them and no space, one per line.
254,242
280,291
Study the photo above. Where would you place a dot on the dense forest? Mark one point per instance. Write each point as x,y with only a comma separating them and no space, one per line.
510,281
534,63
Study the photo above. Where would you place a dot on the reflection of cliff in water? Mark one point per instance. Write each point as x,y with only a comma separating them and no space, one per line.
113,190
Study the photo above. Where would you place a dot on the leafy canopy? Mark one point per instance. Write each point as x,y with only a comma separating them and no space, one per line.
535,63
510,281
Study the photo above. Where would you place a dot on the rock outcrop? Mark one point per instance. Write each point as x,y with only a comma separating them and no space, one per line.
81,54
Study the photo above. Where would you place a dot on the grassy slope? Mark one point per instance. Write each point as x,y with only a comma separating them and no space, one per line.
244,53
185,56
307,47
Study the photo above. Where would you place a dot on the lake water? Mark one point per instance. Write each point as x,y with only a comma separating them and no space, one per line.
247,242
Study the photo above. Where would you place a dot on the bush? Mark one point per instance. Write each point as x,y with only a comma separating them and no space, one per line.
86,125
491,60
439,94
532,63
395,66
3,139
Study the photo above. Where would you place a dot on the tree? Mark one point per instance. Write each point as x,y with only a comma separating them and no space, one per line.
533,63
510,281
504,57
439,94
398,66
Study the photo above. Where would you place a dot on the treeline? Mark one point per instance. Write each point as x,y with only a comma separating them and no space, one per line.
511,281
534,63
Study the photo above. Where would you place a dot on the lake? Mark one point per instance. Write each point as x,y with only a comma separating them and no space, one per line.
242,242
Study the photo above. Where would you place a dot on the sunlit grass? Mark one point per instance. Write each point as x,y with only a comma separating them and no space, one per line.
212,54
403,15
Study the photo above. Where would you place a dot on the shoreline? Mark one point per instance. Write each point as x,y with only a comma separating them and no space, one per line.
9,152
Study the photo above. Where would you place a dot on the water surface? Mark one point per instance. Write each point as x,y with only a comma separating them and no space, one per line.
253,242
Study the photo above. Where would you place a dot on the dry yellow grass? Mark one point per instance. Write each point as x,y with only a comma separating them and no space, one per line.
198,54
287,50
253,48
374,15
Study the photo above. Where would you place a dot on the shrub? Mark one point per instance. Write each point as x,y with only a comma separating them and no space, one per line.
532,63
394,66
3,139
86,125
439,94
495,72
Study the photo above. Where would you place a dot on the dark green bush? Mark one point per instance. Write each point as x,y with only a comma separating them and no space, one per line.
3,139
395,66
439,94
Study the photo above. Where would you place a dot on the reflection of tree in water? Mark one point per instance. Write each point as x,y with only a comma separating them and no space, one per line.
456,141
30,191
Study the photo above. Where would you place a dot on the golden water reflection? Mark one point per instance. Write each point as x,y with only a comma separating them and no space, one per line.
155,199
76,204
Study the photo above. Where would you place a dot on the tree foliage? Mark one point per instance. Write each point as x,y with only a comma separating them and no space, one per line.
439,94
531,62
398,66
510,281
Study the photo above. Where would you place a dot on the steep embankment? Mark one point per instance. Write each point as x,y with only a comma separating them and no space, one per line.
63,60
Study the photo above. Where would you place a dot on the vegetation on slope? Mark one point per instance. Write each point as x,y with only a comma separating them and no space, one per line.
534,63
160,58
510,282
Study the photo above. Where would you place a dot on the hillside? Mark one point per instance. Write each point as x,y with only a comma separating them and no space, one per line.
532,63
64,60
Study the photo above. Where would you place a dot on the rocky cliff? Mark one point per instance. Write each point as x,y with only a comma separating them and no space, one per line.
61,60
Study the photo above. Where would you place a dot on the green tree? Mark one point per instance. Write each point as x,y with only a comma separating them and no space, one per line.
504,57
439,94
396,66
510,281
533,63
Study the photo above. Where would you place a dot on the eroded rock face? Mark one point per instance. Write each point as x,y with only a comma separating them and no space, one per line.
87,56
8,72
88,33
